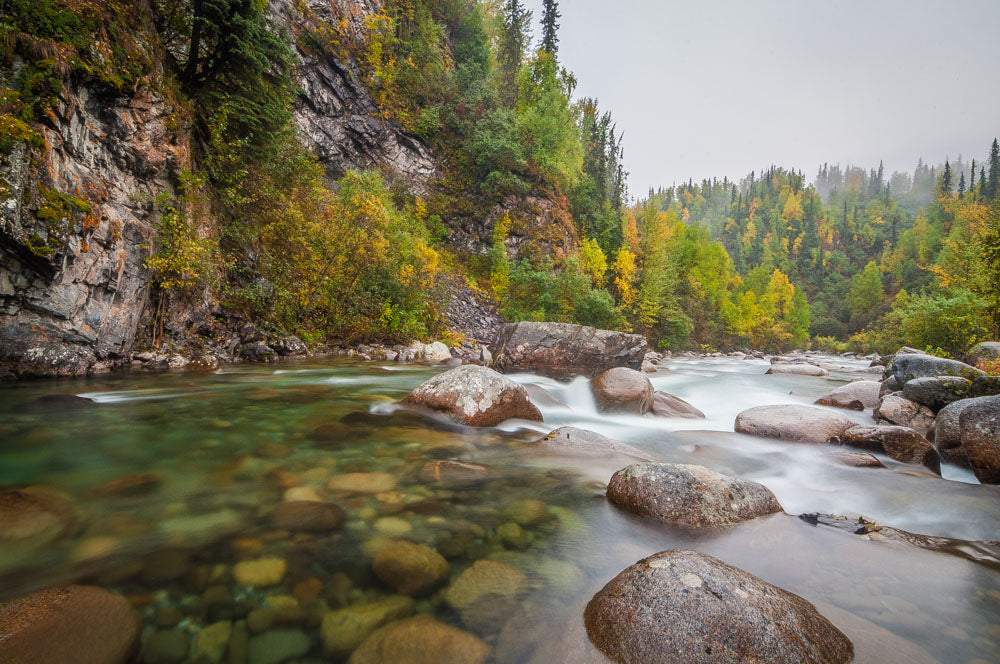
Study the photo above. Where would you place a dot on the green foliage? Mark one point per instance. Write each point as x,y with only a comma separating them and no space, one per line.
182,260
950,321
542,293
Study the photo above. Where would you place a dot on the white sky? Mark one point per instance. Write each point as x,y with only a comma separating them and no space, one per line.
713,88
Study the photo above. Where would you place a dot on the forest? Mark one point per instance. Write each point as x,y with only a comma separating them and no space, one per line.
857,259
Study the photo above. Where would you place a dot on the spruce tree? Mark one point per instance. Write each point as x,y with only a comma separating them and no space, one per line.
946,179
550,26
513,42
961,184
972,181
993,181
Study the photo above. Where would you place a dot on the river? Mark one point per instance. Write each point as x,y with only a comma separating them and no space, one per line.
217,452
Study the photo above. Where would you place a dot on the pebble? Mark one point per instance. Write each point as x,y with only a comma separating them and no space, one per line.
362,482
277,646
262,572
302,493
166,647
393,526
211,642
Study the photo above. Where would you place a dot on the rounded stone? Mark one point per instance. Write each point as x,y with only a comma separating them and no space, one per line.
344,630
475,396
420,640
36,513
362,482
575,442
452,473
798,370
527,511
900,443
800,424
980,426
683,606
307,516
893,409
278,645
936,392
859,395
486,593
260,573
689,495
411,569
166,647
622,390
668,405
79,624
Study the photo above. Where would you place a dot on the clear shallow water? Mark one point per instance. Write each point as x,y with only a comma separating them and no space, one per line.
225,446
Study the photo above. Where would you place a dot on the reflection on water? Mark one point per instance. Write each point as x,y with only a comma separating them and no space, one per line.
166,482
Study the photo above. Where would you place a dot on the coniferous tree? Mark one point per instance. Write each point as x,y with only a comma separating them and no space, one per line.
513,42
946,179
972,181
961,184
993,181
550,26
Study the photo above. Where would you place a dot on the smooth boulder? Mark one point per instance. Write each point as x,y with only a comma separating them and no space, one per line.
683,606
79,624
980,426
668,405
859,395
475,396
936,392
894,409
947,426
571,441
622,390
420,640
983,354
793,423
798,370
985,386
689,495
899,443
907,366
564,350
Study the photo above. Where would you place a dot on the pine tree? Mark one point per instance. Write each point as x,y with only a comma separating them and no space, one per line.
513,42
972,181
946,179
550,26
961,184
993,181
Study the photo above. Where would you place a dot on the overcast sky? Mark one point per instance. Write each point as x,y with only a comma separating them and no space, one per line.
719,88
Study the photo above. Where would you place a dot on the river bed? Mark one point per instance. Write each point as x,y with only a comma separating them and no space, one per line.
215,453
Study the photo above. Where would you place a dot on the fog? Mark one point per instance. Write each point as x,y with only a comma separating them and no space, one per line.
713,89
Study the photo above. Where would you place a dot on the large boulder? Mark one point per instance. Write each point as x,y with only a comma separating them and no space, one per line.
900,443
982,354
420,640
689,495
683,606
668,405
563,350
907,366
622,390
798,370
575,442
980,424
475,396
948,429
894,409
936,392
859,395
799,424
985,386
79,624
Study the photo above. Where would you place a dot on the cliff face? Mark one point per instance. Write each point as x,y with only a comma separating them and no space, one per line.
76,224
76,216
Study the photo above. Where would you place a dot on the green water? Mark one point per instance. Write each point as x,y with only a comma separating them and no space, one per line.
220,451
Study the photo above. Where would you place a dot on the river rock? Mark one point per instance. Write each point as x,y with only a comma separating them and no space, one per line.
856,459
622,390
564,350
689,495
486,593
342,631
38,514
452,473
409,568
260,573
362,482
475,396
982,354
667,405
947,427
420,640
166,647
307,516
900,443
78,624
859,395
278,645
893,409
289,345
980,425
936,392
908,366
582,443
211,642
800,424
436,353
985,386
798,370
683,606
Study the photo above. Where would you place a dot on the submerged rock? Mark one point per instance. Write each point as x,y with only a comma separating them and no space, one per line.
420,640
689,495
564,350
900,443
307,516
622,390
667,405
859,395
486,593
907,366
683,606
37,514
980,426
78,624
452,473
800,424
362,482
409,568
580,442
278,645
936,392
798,370
344,630
475,396
897,410
260,573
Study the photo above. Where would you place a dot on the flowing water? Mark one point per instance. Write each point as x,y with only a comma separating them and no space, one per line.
215,453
